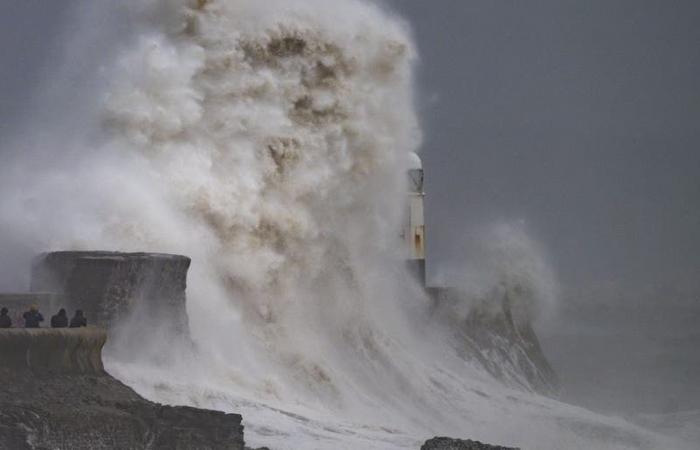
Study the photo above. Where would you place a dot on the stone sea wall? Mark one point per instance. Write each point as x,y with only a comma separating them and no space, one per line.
51,350
111,286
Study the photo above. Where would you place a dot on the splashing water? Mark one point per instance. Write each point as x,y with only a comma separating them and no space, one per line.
269,142
281,146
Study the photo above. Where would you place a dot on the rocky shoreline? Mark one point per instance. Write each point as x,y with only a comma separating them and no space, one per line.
55,394
445,443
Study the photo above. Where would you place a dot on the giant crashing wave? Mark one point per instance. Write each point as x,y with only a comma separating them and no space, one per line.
269,142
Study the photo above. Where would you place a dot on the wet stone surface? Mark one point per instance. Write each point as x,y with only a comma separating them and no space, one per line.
58,396
445,443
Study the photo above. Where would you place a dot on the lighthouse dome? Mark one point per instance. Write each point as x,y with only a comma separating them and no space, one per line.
414,161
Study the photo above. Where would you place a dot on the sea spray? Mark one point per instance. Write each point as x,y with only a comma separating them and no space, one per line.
282,144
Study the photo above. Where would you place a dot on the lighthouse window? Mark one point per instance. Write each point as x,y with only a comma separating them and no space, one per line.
415,180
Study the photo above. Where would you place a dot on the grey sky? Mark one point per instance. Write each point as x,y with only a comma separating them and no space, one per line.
28,29
579,117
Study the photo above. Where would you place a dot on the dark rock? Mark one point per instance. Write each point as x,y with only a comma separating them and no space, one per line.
61,398
98,412
110,287
182,427
444,443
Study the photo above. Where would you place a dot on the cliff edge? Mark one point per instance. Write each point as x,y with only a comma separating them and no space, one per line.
55,394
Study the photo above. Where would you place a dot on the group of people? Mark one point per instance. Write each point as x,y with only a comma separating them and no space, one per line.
33,319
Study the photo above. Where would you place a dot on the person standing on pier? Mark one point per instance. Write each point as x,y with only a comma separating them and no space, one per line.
5,321
60,320
32,318
78,320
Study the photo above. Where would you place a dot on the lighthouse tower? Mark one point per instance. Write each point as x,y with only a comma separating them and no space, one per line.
414,224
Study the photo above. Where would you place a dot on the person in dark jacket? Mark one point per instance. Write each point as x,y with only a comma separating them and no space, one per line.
78,320
60,320
32,318
5,321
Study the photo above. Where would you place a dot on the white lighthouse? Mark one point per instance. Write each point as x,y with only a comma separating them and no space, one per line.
414,223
